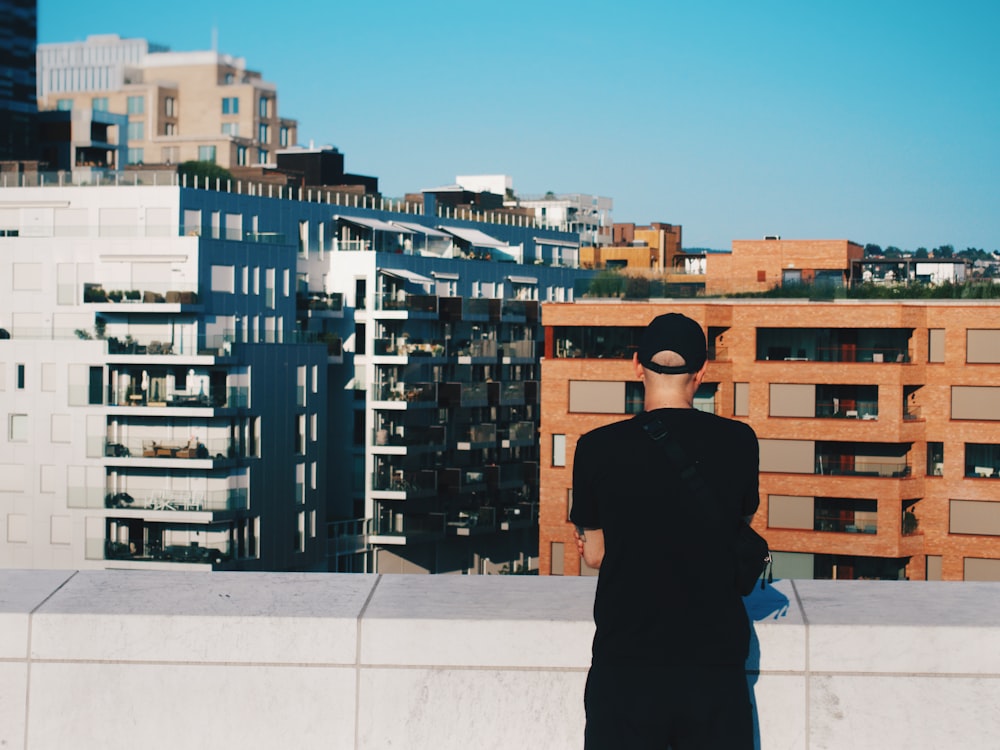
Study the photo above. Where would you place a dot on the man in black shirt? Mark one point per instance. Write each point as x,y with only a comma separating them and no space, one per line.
672,632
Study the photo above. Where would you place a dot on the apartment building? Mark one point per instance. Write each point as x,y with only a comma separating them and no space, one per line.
879,425
258,380
18,35
181,106
589,216
157,409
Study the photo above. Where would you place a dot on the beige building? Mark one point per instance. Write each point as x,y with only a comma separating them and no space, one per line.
181,106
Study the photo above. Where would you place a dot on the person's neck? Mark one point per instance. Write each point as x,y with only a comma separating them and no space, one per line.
668,401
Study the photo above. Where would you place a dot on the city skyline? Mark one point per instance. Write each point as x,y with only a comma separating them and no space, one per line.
869,123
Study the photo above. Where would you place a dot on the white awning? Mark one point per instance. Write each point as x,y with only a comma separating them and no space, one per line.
560,243
445,276
475,237
376,224
523,279
421,229
402,273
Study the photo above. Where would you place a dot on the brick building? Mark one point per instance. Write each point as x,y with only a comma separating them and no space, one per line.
758,265
879,422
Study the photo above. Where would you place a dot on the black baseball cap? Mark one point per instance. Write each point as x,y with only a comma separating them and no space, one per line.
676,333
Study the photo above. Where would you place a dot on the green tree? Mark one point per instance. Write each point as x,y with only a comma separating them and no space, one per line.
945,251
203,170
893,252
921,253
871,249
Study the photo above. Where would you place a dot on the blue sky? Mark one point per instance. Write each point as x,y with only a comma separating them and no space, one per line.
873,121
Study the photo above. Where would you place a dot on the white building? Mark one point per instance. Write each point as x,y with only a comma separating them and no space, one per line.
589,216
155,408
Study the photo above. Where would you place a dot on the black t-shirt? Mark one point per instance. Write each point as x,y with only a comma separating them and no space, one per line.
666,590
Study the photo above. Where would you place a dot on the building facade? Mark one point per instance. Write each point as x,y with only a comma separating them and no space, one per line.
181,106
18,106
879,425
265,380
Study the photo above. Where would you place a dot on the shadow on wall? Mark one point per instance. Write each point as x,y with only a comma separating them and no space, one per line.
769,604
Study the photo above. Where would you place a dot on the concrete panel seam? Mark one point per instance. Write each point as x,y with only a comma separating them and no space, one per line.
357,662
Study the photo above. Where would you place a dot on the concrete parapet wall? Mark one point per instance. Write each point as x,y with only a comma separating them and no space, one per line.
98,659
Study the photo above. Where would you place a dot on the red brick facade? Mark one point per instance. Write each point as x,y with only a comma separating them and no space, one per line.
914,386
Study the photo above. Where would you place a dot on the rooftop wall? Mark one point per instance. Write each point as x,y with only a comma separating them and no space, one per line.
170,660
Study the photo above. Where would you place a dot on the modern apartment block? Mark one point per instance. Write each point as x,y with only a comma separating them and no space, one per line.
226,379
879,425
18,35
148,386
587,215
181,106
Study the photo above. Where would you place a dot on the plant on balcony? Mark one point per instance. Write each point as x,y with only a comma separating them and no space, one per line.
133,294
94,293
116,296
100,326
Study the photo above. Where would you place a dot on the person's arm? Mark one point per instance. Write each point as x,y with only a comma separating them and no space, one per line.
590,544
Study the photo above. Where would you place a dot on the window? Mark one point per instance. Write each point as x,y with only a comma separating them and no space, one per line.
64,105
135,156
265,106
169,128
230,128
741,399
241,156
136,131
229,78
263,133
17,430
935,345
558,450
283,136
262,157
99,104
558,558
169,106
20,377
230,105
206,153
136,105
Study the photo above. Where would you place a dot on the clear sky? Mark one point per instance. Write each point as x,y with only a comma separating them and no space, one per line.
871,120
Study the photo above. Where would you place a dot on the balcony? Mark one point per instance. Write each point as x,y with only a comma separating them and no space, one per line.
519,516
430,437
510,393
477,436
165,448
455,395
834,664
845,465
319,302
178,500
392,527
482,309
982,461
172,553
478,349
425,394
523,349
873,345
509,476
405,483
520,434
849,410
134,300
397,301
473,522
521,309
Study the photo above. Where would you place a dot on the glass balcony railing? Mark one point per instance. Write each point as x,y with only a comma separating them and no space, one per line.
473,521
410,392
174,553
852,410
216,448
415,483
320,301
522,432
415,303
150,293
209,500
428,436
850,466
479,435
237,397
394,523
507,394
463,394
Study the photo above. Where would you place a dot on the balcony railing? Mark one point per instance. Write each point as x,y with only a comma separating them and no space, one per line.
415,483
507,394
320,301
237,397
151,293
409,524
518,516
469,522
479,435
422,393
463,394
429,436
520,349
416,303
850,466
522,432
174,553
860,410
210,500
217,448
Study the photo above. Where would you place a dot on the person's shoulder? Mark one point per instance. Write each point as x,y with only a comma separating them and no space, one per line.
612,431
725,426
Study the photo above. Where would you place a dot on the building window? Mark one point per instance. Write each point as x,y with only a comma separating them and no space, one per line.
169,106
230,128
241,156
136,131
230,105
18,428
283,136
262,157
20,377
136,105
558,450
206,153
229,79
135,156
263,133
64,105
265,106
169,128
557,566
99,104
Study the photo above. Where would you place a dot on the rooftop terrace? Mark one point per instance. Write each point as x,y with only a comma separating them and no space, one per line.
184,660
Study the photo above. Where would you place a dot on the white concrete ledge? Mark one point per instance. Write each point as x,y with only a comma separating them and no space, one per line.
99,659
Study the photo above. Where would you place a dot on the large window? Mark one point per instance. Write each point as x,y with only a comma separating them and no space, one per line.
135,156
169,106
265,106
264,133
230,105
136,131
99,104
230,128
136,105
206,153
283,136
558,450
